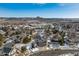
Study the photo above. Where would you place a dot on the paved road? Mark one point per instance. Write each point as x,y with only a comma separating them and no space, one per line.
54,52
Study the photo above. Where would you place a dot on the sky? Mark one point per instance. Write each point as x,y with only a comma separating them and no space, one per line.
46,10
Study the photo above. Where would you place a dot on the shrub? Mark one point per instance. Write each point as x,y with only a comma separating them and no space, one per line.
23,49
26,39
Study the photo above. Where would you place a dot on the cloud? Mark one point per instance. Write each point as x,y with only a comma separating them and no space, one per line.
68,4
62,4
40,4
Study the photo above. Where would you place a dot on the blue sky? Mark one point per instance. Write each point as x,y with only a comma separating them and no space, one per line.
47,10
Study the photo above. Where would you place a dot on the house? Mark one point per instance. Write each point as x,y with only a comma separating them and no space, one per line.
7,48
54,45
2,32
1,48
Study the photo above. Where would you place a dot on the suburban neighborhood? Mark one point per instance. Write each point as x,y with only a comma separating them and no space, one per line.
38,37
